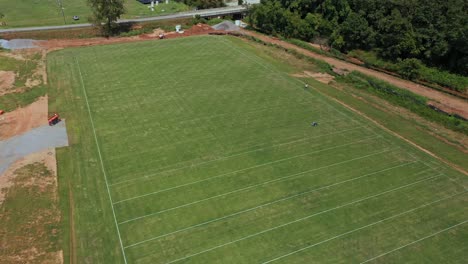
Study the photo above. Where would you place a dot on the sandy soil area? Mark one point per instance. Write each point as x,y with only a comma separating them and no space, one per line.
23,119
7,81
319,76
47,157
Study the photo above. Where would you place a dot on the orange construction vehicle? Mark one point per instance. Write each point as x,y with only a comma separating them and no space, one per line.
54,119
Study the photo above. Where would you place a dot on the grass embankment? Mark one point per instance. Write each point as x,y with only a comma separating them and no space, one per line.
21,93
30,217
46,13
415,103
207,160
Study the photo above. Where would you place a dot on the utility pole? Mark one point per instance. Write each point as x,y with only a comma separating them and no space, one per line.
59,3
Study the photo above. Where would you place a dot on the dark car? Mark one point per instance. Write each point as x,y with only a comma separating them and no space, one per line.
145,1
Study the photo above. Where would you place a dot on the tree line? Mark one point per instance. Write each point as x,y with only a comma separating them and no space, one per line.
434,31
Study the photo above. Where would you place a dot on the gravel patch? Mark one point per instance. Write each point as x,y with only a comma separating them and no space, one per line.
35,140
226,26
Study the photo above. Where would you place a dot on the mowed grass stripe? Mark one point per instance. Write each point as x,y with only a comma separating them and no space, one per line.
197,121
271,163
181,138
258,148
203,127
240,136
266,204
318,226
281,178
277,203
264,146
284,177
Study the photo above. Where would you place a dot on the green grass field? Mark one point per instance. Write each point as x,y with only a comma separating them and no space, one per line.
200,150
27,13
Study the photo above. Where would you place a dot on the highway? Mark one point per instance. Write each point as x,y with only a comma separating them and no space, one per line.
203,13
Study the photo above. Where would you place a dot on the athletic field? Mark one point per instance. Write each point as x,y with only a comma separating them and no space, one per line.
199,150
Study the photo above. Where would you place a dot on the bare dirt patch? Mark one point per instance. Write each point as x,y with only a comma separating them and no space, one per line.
14,55
319,76
7,81
55,44
23,119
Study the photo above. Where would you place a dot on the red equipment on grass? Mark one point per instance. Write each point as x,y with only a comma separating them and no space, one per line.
54,119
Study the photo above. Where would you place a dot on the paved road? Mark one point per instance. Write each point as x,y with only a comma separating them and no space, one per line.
204,13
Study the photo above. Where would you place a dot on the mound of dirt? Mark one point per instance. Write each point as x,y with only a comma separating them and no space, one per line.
7,81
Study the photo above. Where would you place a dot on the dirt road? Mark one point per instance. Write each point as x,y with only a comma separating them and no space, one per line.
446,102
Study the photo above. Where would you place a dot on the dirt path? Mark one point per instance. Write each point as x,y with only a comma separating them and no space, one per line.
200,29
446,102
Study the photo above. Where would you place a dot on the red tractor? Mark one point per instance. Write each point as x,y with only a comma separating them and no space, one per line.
54,119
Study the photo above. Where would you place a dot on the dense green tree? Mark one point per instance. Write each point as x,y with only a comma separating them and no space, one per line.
356,32
435,31
410,68
397,38
106,13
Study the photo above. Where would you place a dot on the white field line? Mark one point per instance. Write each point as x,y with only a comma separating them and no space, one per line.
234,155
266,204
100,158
416,241
282,178
300,219
364,227
239,190
252,167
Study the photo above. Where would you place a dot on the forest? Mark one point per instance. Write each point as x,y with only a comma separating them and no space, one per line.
434,32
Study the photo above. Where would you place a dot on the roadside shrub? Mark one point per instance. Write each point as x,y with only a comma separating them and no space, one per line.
454,81
410,68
